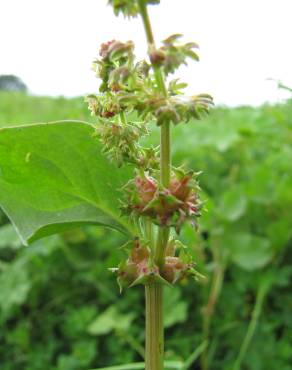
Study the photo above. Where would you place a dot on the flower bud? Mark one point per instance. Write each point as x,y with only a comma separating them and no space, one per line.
139,252
157,57
104,49
174,269
127,274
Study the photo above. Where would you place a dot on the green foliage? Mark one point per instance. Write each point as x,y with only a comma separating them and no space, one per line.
16,109
56,289
248,251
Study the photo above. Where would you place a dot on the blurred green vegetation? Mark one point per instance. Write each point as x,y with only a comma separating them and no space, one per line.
60,308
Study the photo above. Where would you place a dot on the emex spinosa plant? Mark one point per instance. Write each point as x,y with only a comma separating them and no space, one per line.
160,198
54,176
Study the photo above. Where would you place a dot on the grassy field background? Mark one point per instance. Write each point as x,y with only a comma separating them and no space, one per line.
60,308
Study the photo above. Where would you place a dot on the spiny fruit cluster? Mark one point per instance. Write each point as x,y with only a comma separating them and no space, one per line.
132,95
171,206
140,268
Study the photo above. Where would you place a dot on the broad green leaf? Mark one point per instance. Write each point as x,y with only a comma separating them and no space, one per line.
248,251
54,177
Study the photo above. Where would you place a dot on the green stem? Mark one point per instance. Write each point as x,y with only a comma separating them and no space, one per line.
146,22
154,355
162,240
251,327
148,226
165,160
154,352
160,80
165,154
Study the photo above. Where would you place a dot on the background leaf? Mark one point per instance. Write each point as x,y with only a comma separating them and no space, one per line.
249,251
232,205
175,309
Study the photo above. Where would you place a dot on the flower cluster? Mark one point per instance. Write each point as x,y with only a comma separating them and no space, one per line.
139,267
129,87
120,144
170,206
177,109
171,55
121,79
177,268
114,56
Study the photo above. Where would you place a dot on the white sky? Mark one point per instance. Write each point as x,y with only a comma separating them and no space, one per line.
50,44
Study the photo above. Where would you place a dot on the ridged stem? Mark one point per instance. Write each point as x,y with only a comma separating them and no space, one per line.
154,351
154,354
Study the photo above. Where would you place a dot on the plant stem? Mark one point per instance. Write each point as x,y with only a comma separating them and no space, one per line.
162,240
165,155
154,352
148,227
154,356
251,327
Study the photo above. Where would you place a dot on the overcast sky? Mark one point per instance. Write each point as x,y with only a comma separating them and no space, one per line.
50,44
